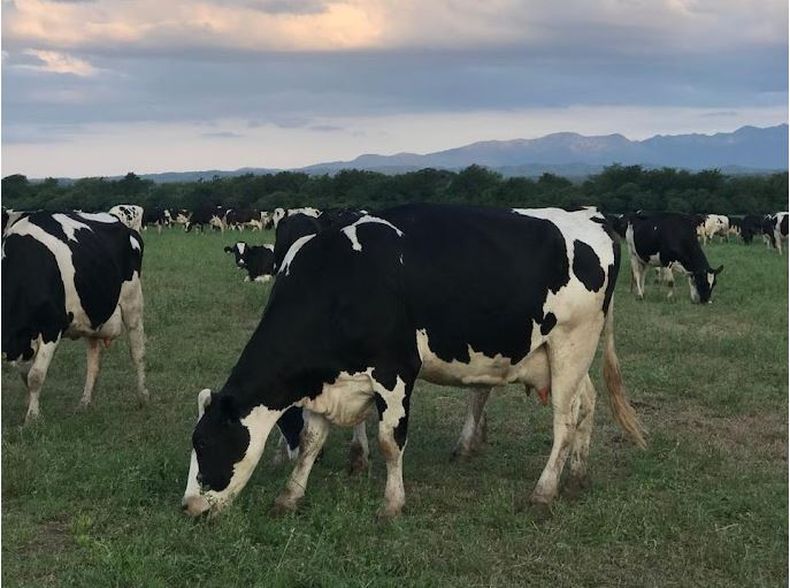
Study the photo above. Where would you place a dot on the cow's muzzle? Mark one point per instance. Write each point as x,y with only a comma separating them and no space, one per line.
195,506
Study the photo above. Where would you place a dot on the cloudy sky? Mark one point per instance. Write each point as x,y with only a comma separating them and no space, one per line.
101,87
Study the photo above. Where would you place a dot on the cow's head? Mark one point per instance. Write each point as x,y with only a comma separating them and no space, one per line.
227,444
238,250
702,284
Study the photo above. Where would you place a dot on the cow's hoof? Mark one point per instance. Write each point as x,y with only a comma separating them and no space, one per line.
282,507
539,511
461,454
388,513
576,486
83,405
32,418
357,460
143,399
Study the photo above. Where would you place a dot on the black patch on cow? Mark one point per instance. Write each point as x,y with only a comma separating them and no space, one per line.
220,441
587,266
290,425
549,322
783,225
402,428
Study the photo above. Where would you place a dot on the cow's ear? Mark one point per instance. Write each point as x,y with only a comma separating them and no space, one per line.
204,399
228,250
718,270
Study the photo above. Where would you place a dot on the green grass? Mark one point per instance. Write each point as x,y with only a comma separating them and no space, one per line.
93,499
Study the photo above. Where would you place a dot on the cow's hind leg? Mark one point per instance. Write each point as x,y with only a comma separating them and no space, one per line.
392,402
473,434
570,356
92,370
579,478
36,375
314,434
132,315
359,451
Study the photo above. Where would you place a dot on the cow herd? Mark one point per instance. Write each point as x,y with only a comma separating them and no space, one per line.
362,306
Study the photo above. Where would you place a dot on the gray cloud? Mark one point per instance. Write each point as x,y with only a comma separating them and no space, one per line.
222,135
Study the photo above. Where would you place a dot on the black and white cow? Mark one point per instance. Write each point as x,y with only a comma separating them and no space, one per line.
213,216
359,312
157,217
258,260
775,230
669,240
129,214
70,275
750,226
239,219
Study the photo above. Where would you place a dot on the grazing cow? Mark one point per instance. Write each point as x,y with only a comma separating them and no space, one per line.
158,217
750,225
238,219
668,240
258,260
129,214
359,312
73,275
710,225
212,216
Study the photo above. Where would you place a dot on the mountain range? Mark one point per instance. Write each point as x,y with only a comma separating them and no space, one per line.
746,150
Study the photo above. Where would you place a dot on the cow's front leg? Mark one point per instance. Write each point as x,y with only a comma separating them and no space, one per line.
36,375
474,431
314,434
92,370
393,409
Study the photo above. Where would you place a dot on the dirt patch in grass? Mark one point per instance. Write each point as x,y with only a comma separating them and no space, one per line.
763,435
52,536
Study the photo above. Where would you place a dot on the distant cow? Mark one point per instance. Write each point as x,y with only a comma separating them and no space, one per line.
710,225
157,217
238,219
668,240
360,311
775,230
70,275
212,216
258,260
750,225
129,214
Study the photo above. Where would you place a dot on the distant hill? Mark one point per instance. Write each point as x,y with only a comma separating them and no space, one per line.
748,150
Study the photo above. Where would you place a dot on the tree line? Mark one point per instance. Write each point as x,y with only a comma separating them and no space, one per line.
616,189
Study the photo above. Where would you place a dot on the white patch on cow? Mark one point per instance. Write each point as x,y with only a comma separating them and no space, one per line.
482,370
307,210
294,249
99,217
345,401
269,247
69,225
264,278
351,230
240,247
135,243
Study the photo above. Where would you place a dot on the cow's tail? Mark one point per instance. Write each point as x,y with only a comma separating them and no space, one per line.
623,412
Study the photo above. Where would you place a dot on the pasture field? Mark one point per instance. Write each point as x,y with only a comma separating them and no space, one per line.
93,498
